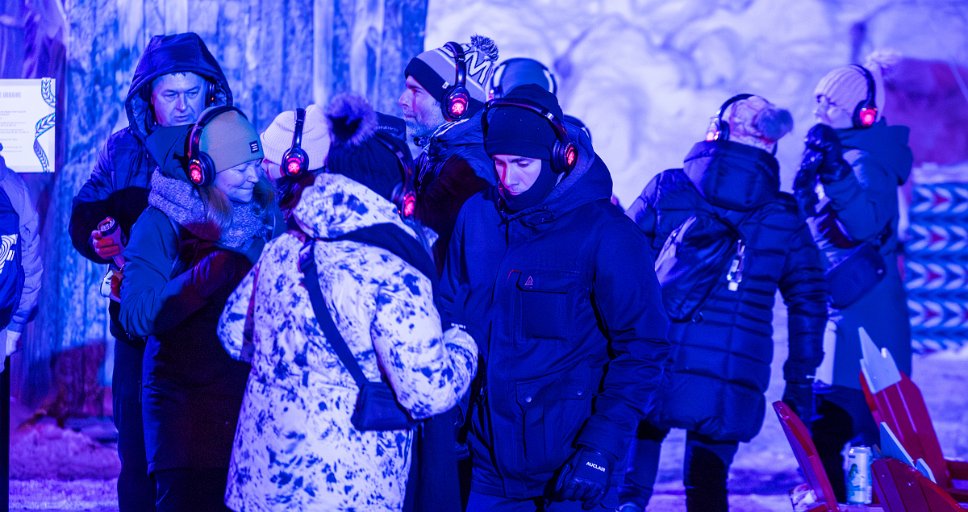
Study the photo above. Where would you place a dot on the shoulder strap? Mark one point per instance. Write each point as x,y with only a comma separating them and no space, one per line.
392,238
307,263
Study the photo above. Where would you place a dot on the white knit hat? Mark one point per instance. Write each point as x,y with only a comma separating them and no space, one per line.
846,86
277,138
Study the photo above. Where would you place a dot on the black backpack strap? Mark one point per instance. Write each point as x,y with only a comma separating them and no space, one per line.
307,263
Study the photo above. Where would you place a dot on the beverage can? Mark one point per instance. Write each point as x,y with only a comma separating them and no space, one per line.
859,489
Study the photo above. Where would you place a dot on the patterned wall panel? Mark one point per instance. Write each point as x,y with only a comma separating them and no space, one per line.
268,50
937,266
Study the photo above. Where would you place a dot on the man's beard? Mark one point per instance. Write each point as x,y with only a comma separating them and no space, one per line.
417,130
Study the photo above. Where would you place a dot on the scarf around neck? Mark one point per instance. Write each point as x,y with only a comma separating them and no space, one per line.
181,202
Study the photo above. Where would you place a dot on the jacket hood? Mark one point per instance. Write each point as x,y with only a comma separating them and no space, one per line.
464,139
336,205
888,145
589,181
732,175
166,145
178,53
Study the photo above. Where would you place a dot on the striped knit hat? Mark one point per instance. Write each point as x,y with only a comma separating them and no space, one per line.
846,87
435,70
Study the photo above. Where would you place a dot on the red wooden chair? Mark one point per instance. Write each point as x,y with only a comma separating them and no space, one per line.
901,406
807,457
901,488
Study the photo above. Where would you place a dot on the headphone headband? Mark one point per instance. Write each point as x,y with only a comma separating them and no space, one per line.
295,160
201,169
564,156
865,113
456,98
719,130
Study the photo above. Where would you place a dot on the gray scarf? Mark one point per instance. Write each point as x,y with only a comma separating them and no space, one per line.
180,201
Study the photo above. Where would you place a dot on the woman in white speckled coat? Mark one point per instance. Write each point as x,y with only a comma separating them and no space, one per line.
295,447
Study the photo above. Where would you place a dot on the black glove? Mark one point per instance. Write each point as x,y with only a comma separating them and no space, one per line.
585,477
798,394
805,183
823,142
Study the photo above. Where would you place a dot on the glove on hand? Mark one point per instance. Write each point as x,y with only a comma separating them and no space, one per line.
798,394
585,477
823,142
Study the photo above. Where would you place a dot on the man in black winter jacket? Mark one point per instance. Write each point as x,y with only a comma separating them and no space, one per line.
725,239
550,279
176,78
444,131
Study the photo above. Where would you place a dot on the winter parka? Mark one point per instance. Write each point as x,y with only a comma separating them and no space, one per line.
858,208
118,185
28,245
452,168
296,448
566,304
178,275
720,364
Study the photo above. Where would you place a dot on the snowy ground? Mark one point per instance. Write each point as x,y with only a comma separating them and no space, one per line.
762,474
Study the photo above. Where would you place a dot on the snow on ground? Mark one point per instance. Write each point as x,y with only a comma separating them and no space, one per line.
84,471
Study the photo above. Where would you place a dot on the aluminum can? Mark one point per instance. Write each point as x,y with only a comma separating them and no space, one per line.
859,475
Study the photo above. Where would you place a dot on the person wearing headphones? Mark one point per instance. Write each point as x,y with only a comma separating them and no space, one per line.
852,165
572,333
176,78
376,281
725,239
445,90
210,212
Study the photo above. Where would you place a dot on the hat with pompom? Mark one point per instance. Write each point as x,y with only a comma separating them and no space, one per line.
361,149
436,70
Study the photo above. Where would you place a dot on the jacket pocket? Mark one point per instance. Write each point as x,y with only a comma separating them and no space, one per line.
553,415
548,303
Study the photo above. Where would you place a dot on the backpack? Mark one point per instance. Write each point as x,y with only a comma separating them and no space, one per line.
696,255
11,266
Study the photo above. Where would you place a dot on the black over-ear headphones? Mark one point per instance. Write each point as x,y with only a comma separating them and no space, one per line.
865,113
456,98
404,195
209,93
719,129
564,155
295,160
201,169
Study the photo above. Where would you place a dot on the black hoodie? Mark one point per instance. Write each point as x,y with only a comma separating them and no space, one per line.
118,186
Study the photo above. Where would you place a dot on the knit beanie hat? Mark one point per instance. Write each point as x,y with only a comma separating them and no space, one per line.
846,87
229,139
519,71
277,138
522,132
436,70
359,149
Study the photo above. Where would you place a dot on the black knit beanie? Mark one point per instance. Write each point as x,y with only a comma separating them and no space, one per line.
359,150
520,131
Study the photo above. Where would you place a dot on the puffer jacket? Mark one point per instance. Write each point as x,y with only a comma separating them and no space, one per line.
452,168
296,448
119,183
29,245
721,356
179,272
572,326
858,208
